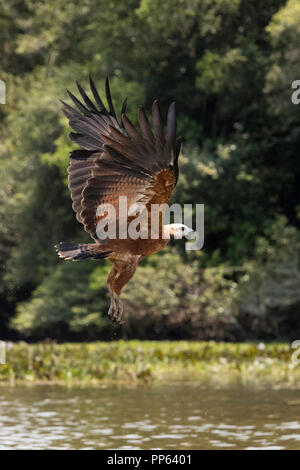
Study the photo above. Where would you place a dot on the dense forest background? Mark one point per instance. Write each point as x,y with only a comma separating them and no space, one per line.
230,65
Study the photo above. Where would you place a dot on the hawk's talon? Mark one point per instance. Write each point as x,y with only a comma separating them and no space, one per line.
116,310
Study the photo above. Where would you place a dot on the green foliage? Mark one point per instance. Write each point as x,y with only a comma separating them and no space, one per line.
285,36
64,303
166,300
269,288
229,65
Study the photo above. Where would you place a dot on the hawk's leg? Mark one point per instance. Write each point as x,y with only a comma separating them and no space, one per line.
120,273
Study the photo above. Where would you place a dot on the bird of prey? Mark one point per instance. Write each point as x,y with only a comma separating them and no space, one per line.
116,160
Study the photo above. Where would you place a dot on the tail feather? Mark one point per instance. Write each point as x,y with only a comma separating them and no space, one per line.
78,252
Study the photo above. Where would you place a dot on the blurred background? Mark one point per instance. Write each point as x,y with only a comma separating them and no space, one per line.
229,64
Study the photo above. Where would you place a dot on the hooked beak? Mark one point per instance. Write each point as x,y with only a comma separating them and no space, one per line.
189,231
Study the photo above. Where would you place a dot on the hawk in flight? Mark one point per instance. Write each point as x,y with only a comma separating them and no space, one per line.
116,160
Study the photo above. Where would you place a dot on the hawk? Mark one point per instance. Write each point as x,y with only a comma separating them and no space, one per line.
116,160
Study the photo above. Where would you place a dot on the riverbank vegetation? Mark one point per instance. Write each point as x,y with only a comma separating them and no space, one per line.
230,65
137,362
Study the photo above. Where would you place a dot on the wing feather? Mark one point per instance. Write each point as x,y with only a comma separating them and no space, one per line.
116,159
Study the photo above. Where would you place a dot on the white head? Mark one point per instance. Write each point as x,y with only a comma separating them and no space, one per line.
177,231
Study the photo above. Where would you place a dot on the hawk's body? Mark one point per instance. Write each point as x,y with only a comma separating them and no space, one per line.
115,160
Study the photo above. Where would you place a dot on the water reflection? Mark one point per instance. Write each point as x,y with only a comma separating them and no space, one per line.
157,417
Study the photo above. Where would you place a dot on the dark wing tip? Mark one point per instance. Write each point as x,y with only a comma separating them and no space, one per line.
96,95
70,112
86,99
178,146
64,104
171,125
124,105
77,103
145,126
109,100
157,122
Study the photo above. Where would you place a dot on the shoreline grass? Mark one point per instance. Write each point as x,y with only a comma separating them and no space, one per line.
134,362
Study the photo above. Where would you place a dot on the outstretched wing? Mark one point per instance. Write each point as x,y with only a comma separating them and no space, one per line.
90,121
141,166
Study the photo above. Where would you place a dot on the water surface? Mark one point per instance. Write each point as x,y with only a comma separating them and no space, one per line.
186,416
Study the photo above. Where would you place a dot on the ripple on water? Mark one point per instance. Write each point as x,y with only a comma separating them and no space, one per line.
115,418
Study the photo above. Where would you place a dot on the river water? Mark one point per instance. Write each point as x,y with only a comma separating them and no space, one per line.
178,416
